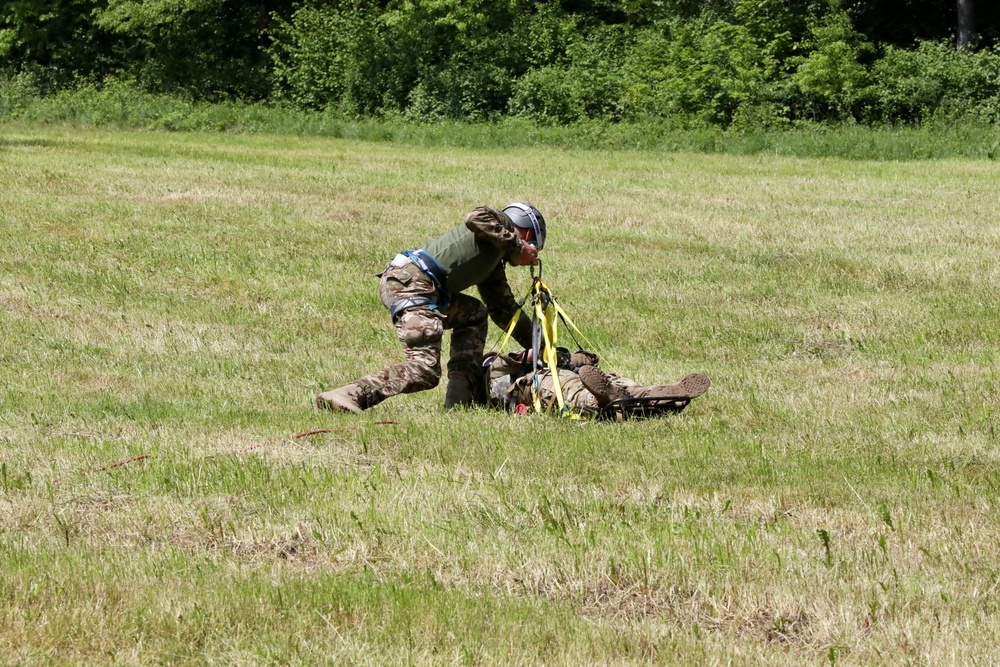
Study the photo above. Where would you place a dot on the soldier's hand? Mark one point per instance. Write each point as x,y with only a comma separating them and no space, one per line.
527,257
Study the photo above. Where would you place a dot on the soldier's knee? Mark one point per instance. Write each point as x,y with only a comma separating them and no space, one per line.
426,377
419,328
423,368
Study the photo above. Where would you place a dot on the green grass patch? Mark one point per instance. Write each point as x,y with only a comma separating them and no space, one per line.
120,105
170,304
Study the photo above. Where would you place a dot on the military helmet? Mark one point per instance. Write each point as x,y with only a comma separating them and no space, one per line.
526,216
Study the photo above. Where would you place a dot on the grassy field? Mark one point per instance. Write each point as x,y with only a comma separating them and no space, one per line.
171,303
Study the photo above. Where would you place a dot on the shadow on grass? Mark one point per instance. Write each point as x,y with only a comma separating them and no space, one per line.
8,144
30,143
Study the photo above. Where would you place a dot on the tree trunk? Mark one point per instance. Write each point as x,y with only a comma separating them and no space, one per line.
966,21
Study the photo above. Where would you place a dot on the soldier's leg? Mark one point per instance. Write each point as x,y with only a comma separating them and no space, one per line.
601,385
692,386
607,388
575,395
467,318
419,331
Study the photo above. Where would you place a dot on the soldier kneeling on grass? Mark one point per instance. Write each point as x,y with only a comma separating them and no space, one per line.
585,386
422,289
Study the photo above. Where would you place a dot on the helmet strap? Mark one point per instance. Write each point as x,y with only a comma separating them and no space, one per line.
534,220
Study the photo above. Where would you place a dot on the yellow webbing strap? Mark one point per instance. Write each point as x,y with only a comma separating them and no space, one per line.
550,354
548,319
560,311
513,321
534,380
565,316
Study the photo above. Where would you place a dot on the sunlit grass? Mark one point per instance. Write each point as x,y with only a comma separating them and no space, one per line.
170,304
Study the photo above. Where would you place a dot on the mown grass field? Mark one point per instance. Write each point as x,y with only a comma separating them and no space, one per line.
171,303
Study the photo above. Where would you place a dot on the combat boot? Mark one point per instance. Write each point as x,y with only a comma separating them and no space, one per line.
349,398
600,385
459,391
582,358
692,386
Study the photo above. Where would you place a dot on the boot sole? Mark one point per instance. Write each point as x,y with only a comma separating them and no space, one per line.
597,382
336,404
696,384
692,386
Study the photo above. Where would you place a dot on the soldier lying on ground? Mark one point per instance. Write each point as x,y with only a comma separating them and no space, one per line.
585,386
422,290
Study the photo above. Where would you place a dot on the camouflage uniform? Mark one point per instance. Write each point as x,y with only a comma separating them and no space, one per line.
472,254
511,378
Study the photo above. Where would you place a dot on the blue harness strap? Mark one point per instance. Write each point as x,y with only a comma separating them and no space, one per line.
430,266
433,270
403,305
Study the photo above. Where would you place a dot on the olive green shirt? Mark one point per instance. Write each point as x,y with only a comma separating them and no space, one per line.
475,254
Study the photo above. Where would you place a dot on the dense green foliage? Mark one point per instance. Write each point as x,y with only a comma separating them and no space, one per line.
748,63
209,49
118,104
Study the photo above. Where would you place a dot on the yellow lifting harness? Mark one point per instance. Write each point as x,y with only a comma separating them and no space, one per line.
545,312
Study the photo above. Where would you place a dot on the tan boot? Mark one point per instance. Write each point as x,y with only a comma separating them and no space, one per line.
459,391
692,386
346,399
599,384
582,358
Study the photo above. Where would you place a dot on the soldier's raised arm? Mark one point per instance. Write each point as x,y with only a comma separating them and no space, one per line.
501,305
494,227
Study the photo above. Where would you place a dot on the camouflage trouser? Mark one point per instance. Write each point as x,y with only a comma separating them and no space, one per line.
420,331
575,395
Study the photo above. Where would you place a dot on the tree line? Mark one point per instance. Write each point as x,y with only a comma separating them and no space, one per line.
712,62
